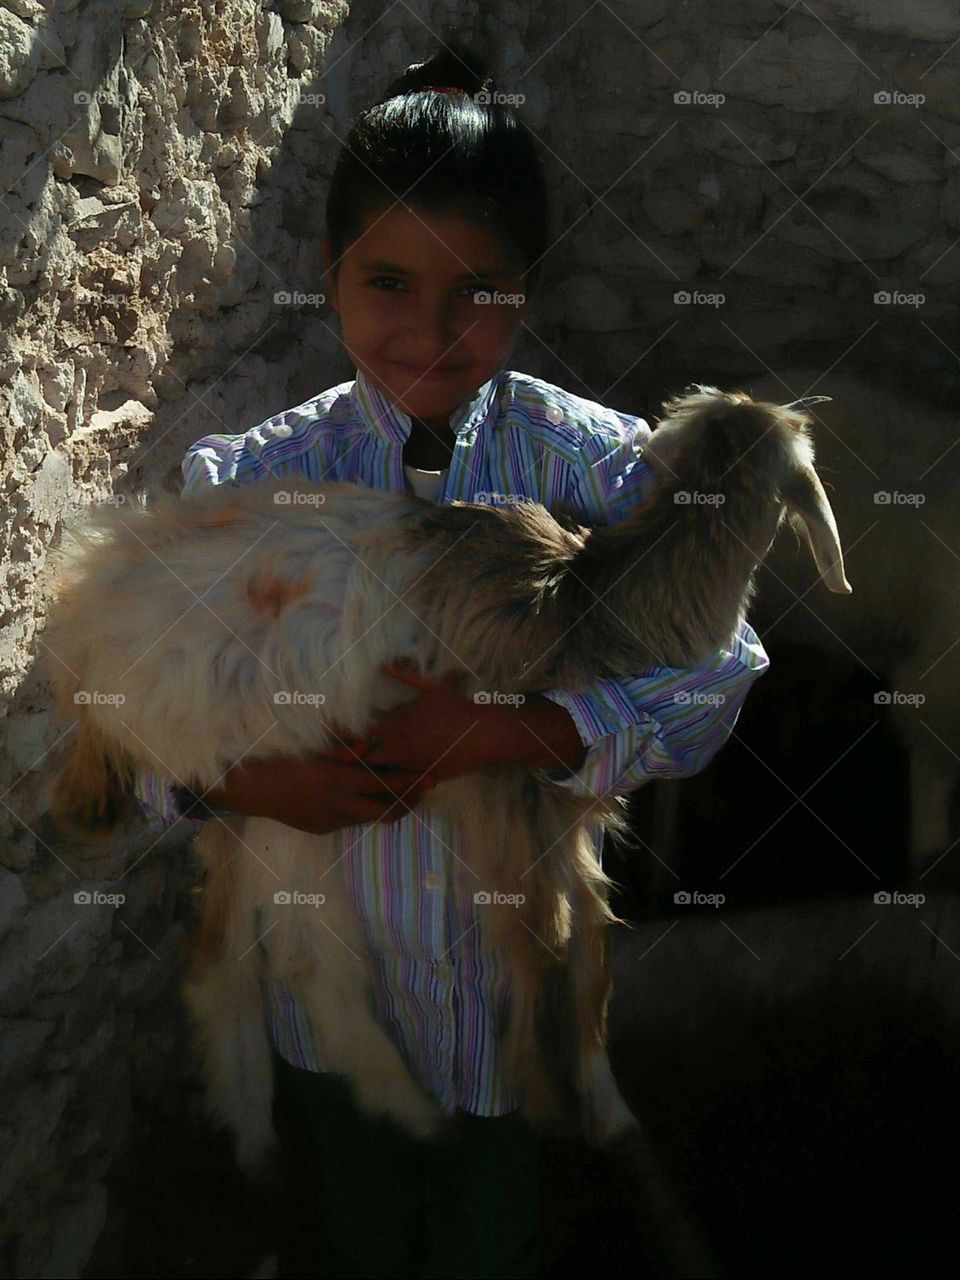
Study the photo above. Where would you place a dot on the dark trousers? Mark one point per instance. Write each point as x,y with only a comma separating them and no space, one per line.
369,1200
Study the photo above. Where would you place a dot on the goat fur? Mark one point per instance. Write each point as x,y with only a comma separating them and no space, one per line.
198,610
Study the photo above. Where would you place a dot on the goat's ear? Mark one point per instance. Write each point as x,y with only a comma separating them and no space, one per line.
808,508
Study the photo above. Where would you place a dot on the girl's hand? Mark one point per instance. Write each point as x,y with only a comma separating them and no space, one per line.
441,733
318,794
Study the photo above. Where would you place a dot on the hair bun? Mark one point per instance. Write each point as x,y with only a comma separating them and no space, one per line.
454,65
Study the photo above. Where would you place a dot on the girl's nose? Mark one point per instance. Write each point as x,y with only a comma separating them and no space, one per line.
437,327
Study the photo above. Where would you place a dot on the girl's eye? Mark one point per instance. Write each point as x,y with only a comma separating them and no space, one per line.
389,281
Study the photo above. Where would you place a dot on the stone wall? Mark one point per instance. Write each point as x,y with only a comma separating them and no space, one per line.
735,185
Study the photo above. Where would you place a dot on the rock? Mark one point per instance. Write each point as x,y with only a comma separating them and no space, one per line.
20,54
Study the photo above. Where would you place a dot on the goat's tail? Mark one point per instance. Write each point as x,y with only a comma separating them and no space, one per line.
91,795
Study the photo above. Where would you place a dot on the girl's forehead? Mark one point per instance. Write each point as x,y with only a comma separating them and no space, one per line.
448,239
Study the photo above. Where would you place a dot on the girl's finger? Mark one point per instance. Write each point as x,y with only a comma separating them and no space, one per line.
412,677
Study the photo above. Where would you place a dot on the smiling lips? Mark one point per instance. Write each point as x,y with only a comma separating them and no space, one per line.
436,371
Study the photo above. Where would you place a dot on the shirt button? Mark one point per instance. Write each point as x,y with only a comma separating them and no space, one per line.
433,880
340,411
554,413
282,431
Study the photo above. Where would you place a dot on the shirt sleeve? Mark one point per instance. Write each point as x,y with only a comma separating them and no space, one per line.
663,722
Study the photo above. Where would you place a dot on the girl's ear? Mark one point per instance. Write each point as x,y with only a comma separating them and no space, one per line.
329,272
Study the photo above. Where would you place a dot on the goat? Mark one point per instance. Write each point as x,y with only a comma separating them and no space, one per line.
197,611
891,456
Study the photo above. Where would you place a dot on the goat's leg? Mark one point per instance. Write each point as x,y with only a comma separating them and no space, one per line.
224,997
352,1043
606,1117
226,1003
322,952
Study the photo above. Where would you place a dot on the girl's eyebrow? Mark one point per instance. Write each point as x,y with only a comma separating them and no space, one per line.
380,265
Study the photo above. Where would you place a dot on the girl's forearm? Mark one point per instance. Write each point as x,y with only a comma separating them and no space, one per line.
539,734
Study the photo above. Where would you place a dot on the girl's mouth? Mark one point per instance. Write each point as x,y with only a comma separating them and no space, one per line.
428,374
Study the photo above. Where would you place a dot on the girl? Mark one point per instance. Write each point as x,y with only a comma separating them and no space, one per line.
436,226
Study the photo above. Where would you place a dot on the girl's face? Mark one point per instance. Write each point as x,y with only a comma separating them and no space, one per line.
406,291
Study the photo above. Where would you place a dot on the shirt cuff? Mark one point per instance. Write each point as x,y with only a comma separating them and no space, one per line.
156,796
665,722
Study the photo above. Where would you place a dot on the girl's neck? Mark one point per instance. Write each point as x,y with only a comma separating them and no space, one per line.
428,448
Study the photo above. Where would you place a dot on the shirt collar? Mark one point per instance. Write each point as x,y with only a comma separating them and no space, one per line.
382,416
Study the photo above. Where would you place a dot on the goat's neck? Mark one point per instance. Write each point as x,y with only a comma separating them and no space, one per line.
666,587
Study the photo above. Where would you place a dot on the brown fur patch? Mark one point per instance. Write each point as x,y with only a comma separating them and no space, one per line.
273,593
225,516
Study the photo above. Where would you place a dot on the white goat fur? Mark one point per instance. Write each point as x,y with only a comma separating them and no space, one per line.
198,610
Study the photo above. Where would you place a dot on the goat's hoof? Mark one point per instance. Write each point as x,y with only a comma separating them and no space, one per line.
262,1165
415,1112
609,1129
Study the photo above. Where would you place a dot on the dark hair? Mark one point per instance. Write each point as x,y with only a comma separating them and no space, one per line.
455,152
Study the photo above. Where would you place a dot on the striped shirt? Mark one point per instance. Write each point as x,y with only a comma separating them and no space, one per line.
516,437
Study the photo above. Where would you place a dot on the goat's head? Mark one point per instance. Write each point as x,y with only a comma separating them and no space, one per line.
709,434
